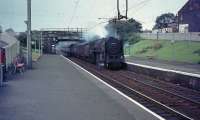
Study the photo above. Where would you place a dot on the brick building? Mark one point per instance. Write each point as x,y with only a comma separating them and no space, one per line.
189,17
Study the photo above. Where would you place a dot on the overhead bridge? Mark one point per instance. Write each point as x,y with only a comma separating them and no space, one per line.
52,36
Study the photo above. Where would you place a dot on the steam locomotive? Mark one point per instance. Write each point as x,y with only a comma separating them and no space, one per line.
107,52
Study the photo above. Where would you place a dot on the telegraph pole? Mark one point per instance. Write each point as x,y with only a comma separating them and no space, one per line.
119,13
29,49
120,16
41,38
118,10
126,9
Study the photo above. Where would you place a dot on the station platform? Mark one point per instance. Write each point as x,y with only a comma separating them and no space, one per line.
182,68
56,89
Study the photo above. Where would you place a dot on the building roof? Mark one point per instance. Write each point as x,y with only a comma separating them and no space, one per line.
190,6
3,44
7,40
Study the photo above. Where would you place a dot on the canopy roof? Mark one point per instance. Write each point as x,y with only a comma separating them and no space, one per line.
7,39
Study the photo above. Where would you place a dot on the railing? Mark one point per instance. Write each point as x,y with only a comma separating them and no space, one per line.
192,36
65,29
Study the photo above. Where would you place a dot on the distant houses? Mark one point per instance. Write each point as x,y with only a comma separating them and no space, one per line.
187,19
172,27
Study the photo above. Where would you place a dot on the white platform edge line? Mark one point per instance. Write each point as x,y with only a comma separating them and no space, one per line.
166,70
127,97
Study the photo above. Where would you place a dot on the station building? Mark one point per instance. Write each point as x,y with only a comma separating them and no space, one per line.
11,47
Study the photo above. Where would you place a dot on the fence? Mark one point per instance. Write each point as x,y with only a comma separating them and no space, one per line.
172,36
183,47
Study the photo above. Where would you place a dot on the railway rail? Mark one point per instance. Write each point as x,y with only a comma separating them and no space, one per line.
170,101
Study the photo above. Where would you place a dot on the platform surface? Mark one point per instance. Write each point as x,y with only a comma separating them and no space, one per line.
56,90
176,66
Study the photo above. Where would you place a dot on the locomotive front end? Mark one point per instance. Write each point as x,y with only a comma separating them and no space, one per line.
114,53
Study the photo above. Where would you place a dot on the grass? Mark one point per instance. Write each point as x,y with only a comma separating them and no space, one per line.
35,56
35,53
182,51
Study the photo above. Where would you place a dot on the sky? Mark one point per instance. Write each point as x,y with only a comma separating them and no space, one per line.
58,13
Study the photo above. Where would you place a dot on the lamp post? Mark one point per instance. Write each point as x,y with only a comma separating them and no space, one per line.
28,22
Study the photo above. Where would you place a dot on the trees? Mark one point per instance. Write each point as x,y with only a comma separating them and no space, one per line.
9,30
164,20
1,29
22,37
123,28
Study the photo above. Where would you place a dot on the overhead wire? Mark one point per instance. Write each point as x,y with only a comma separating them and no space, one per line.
140,5
94,26
74,11
97,25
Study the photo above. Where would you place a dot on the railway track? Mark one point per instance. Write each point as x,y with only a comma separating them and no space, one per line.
189,94
170,101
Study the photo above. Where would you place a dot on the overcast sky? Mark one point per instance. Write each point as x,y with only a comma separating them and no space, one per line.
58,13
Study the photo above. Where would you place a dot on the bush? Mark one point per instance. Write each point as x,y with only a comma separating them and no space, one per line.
133,38
157,46
197,52
144,50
